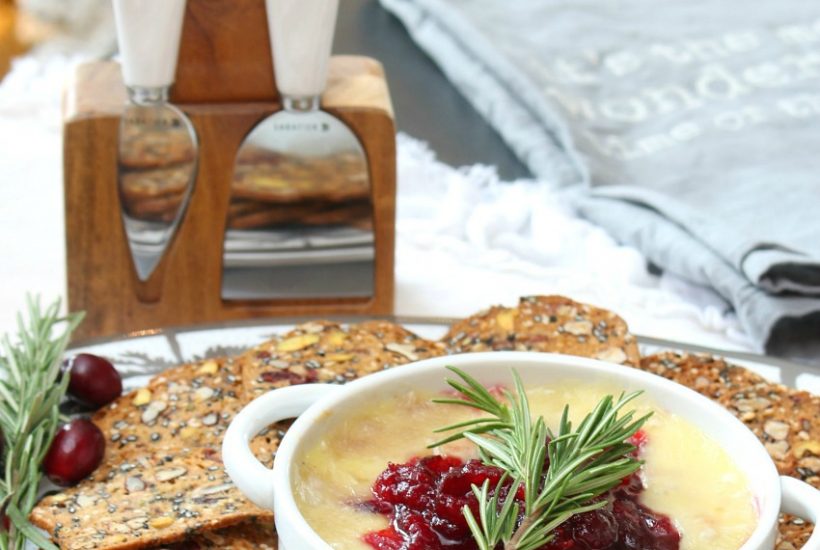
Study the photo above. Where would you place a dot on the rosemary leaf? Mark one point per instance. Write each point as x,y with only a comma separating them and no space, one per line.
30,394
583,463
28,530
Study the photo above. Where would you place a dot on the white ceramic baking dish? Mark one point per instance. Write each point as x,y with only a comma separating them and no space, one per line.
317,405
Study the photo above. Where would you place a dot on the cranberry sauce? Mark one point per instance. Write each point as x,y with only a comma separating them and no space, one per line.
424,497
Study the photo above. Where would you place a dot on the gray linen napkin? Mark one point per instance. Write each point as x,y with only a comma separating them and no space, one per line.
690,129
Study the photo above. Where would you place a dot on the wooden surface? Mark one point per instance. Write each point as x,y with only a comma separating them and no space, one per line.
11,43
353,82
225,53
101,278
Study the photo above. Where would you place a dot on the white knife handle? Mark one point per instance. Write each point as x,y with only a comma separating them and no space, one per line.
301,36
148,34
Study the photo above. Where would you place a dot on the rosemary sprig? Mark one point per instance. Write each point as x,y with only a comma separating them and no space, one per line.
583,463
30,395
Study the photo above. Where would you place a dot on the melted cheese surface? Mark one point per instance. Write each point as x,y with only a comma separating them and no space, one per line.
688,476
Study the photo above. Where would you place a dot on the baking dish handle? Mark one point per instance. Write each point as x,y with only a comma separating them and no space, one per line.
251,476
802,500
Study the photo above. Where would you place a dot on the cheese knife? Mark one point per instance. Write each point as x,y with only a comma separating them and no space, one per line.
157,147
301,151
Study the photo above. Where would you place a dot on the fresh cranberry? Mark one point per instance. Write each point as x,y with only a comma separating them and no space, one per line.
440,464
562,540
76,451
417,534
454,492
640,528
408,531
412,485
425,500
630,487
386,539
93,380
448,516
459,482
597,530
447,520
639,439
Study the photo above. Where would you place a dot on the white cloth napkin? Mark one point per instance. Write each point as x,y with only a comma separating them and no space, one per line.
652,113
32,247
465,240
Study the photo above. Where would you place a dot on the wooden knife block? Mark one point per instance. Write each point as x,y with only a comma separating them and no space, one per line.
187,283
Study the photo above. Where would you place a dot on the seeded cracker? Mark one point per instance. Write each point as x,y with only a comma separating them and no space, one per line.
186,406
265,445
149,499
327,352
322,351
786,420
145,150
793,533
245,216
550,324
277,179
155,184
249,535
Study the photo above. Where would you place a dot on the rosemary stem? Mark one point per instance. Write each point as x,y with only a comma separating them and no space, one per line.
580,464
29,398
522,530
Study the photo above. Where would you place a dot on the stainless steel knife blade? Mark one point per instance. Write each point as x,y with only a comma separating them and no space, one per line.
157,149
300,178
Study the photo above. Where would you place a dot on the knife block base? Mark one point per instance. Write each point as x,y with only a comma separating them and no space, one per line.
186,286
